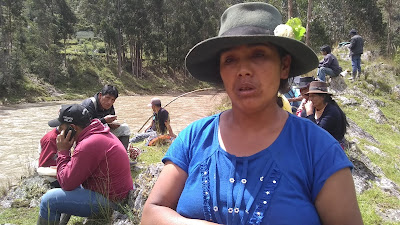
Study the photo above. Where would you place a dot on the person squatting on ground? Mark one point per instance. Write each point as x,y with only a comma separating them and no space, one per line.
250,164
95,177
160,123
356,47
329,65
325,112
101,106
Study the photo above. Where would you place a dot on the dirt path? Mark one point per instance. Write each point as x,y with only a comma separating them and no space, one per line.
23,125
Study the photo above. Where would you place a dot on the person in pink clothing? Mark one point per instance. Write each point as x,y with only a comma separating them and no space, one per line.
48,146
95,177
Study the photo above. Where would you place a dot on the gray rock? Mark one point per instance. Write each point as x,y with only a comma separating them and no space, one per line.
396,92
346,101
356,132
390,215
337,84
374,149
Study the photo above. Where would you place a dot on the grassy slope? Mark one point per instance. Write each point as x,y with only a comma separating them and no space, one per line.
377,86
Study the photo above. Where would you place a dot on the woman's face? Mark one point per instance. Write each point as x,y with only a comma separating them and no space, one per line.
252,73
317,100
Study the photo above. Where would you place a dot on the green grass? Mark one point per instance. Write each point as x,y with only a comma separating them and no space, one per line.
370,200
20,216
151,154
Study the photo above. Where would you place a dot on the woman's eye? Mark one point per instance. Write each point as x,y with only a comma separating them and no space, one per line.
258,54
229,60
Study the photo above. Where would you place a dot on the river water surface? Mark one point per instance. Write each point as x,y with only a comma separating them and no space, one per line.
23,125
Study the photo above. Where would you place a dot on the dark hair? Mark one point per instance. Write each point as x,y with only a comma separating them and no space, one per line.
158,105
326,48
328,99
353,32
109,90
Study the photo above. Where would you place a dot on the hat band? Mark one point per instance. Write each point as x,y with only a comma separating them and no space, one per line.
246,30
318,89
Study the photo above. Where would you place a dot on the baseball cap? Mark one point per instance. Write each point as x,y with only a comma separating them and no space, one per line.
72,114
154,101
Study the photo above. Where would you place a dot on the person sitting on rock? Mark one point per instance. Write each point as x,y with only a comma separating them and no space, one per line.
101,106
160,126
95,178
329,65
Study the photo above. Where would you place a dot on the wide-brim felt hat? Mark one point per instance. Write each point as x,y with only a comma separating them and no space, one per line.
243,24
304,82
318,87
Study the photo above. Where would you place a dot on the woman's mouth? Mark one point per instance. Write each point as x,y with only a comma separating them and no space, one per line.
246,89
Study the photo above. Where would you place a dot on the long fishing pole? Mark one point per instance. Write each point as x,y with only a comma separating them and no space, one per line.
190,92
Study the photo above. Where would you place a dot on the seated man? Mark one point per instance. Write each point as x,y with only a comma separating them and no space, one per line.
329,65
95,177
101,106
160,124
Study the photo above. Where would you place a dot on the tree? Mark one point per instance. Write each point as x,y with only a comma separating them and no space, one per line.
11,21
390,10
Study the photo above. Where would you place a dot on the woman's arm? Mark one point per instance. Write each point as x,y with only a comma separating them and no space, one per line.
161,205
336,203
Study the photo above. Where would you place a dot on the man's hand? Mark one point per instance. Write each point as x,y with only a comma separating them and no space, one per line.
114,125
110,118
64,143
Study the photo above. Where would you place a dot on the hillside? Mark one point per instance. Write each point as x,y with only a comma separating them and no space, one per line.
370,103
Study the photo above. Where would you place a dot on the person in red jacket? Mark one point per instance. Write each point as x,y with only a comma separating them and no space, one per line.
95,177
48,149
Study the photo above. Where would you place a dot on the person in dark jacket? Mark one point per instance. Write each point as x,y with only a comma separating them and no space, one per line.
356,47
325,112
329,65
101,106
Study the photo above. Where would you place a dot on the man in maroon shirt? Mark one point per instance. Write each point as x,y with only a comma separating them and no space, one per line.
95,177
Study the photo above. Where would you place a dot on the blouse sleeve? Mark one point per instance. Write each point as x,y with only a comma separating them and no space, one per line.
178,152
331,161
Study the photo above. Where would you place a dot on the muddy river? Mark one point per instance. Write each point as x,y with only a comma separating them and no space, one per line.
23,125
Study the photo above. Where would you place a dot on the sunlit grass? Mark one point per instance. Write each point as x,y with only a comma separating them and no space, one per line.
371,200
20,216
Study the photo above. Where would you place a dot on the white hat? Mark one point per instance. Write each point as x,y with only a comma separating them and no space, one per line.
154,101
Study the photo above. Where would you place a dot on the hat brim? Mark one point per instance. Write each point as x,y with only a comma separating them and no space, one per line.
202,59
54,123
300,86
318,92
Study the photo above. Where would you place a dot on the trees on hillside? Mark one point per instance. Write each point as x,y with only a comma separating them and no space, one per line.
157,32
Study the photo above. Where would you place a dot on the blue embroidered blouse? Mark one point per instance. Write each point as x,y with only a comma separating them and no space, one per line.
277,185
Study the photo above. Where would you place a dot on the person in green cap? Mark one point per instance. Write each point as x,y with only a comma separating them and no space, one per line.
249,164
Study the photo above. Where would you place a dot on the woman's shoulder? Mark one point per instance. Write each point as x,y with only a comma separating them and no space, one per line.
309,130
204,123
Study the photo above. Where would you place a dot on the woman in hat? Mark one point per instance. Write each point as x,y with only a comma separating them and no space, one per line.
325,112
249,165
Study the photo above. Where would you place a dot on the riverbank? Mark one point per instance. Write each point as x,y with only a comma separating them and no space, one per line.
19,145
